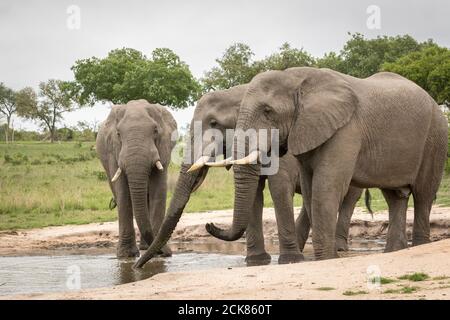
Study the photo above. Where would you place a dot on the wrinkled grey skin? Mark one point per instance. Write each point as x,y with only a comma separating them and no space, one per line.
134,137
219,110
383,131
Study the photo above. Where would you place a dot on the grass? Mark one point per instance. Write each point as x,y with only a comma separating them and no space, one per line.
383,280
45,184
354,293
403,290
326,288
418,276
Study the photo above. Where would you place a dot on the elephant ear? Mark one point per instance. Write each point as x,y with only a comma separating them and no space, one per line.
168,134
325,102
112,141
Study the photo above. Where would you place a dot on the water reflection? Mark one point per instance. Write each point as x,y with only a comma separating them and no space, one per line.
29,274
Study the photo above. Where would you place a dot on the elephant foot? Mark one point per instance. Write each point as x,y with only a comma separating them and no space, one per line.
165,252
419,241
143,245
258,260
390,247
127,251
290,258
341,244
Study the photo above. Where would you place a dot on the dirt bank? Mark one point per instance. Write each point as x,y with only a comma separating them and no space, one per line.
344,278
98,236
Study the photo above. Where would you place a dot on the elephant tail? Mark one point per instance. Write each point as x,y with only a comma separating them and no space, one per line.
368,201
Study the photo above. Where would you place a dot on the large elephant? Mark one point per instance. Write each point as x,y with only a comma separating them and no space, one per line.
134,146
219,110
383,131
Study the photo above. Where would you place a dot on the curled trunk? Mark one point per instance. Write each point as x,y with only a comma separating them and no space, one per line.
246,179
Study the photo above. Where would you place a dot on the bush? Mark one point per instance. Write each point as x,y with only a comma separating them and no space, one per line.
101,175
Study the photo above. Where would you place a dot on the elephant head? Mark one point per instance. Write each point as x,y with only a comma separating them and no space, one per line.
215,111
306,105
140,137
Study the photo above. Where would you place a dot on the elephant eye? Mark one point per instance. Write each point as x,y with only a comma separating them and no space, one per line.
267,110
213,123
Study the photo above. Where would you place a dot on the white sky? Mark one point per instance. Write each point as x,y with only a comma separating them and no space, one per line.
36,44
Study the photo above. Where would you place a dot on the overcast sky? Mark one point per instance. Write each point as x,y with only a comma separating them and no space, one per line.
36,44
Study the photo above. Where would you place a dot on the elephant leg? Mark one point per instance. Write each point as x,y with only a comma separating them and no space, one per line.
421,227
282,195
345,216
126,246
396,237
302,228
426,186
256,253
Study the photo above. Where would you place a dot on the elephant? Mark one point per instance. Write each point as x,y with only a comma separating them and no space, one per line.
219,110
134,145
383,131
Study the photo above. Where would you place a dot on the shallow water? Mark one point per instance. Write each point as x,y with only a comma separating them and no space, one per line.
32,274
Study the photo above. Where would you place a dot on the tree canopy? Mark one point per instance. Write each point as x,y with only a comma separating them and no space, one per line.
429,68
127,74
55,98
236,66
8,106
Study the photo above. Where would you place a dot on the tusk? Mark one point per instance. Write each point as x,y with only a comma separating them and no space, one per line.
159,165
222,163
199,163
117,175
252,157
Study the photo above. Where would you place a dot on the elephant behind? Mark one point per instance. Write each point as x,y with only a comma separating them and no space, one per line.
134,146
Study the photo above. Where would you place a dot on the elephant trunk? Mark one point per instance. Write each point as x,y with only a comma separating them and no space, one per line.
246,179
185,185
138,176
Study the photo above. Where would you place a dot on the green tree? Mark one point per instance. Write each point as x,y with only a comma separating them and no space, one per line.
126,74
55,98
429,68
333,61
287,57
234,68
363,57
8,107
237,67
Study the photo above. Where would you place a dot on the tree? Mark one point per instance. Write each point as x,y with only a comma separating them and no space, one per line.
237,67
234,68
429,68
55,98
332,61
363,57
287,57
126,74
8,106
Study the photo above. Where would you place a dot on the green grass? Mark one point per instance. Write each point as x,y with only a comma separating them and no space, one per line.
383,280
418,276
403,290
43,184
354,293
326,288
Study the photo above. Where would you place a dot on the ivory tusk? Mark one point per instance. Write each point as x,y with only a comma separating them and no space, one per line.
117,175
252,157
159,165
222,163
199,163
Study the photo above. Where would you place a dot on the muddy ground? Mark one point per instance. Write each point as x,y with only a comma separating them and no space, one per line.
344,278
